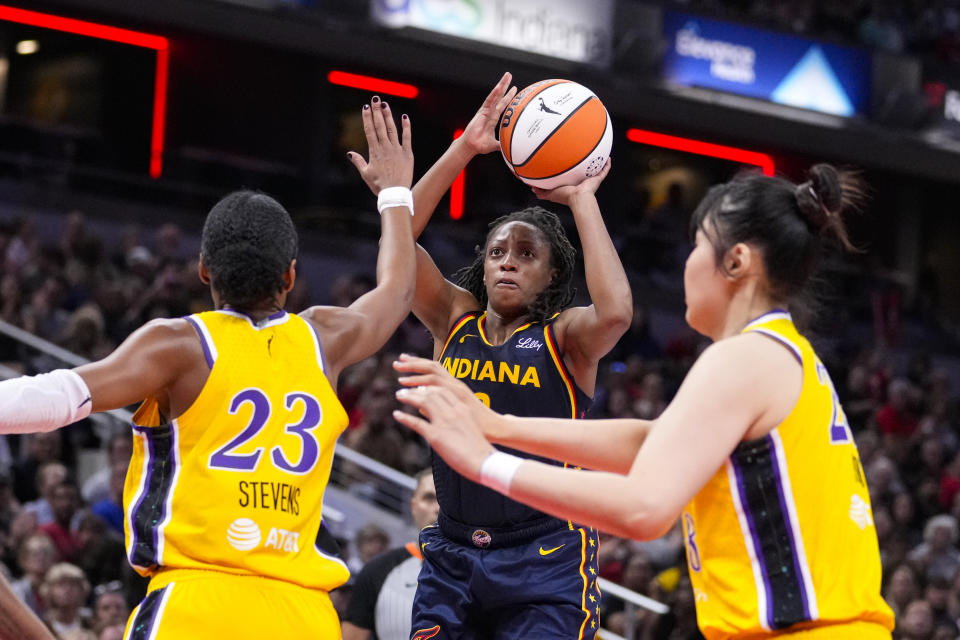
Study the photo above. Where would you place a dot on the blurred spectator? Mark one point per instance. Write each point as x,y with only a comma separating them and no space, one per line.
64,501
901,589
102,555
65,591
377,435
119,450
916,622
109,607
897,417
937,557
370,540
36,450
111,507
49,477
37,554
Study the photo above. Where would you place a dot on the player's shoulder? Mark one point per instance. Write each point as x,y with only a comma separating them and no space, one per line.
168,330
742,358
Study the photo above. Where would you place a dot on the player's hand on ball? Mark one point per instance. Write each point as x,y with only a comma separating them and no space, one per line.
391,154
563,195
447,425
480,134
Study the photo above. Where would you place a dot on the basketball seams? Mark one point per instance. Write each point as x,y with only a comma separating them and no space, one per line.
558,127
606,126
518,107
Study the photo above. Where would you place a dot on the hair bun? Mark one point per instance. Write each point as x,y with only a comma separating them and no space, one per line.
820,197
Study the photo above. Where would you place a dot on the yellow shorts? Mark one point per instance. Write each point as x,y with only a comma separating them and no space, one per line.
182,603
849,631
855,630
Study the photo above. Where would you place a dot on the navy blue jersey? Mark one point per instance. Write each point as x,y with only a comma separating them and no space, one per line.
524,376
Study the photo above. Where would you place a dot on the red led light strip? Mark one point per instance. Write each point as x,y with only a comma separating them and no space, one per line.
699,147
374,85
456,189
103,32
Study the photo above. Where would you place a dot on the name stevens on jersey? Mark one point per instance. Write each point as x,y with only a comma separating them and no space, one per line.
492,371
278,496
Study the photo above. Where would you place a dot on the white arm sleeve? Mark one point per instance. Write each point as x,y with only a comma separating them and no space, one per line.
44,402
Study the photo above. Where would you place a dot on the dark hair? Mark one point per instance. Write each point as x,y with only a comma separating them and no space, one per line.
559,293
787,221
248,242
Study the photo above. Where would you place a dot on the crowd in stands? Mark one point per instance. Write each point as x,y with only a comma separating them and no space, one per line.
922,27
61,539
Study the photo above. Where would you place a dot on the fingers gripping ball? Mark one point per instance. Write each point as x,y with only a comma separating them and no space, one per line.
555,133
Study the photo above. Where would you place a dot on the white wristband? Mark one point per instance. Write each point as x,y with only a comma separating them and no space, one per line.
395,197
498,469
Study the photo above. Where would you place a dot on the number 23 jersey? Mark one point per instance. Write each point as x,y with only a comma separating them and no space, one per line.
236,483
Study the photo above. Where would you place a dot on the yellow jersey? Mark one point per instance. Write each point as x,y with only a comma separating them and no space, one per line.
236,483
782,538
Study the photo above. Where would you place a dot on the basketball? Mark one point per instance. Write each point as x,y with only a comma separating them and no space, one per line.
555,133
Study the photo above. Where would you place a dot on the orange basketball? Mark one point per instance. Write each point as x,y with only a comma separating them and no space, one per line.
555,133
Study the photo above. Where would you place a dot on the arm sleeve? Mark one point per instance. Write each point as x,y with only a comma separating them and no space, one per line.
43,402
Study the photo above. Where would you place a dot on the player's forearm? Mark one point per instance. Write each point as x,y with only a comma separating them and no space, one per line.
583,443
44,402
396,260
16,620
429,189
606,279
614,503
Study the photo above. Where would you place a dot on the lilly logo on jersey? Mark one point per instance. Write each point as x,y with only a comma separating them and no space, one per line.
529,343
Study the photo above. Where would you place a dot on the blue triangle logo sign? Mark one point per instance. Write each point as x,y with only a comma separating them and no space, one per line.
812,84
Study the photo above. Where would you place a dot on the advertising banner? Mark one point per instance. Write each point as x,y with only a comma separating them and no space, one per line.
567,29
778,67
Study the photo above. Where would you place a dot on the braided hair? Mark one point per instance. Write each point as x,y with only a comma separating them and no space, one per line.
559,293
248,242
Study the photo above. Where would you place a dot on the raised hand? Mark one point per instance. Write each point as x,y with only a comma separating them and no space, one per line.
391,157
480,134
563,195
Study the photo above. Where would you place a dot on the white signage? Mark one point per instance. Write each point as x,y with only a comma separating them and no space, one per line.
951,106
568,29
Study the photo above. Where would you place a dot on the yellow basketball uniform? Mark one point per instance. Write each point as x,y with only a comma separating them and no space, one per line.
781,540
234,487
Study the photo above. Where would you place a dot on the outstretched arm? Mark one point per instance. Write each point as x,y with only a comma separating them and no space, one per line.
684,448
356,332
586,334
163,358
584,443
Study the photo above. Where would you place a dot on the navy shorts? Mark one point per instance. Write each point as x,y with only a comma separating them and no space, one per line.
545,589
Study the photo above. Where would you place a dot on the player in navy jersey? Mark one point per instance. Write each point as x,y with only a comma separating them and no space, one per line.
495,568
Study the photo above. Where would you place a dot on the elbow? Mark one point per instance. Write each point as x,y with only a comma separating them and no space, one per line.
618,321
648,523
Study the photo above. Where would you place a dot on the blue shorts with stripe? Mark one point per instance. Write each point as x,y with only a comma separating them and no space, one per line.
545,588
